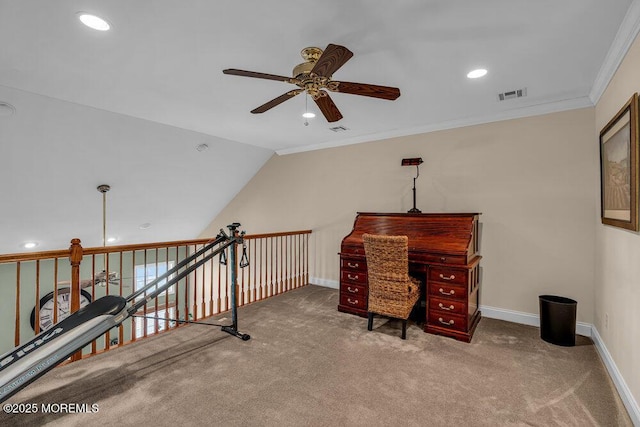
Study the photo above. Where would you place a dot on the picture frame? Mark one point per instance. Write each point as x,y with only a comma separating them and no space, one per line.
619,150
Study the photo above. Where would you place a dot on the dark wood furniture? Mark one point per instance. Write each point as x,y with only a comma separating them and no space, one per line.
443,253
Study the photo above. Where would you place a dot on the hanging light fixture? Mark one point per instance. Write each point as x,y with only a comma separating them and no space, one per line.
103,189
103,278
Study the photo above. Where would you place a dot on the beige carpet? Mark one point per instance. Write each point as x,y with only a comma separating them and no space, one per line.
308,364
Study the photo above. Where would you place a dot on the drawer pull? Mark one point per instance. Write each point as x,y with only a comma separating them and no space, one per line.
356,265
443,277
352,302
451,307
442,259
352,277
451,292
449,323
353,291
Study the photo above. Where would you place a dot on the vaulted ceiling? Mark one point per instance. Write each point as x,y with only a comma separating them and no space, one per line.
128,107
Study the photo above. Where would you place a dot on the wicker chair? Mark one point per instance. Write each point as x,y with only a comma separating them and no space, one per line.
392,292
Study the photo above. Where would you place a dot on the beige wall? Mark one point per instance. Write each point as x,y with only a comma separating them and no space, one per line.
533,180
617,279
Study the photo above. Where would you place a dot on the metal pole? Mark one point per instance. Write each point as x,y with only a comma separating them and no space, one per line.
103,189
234,273
235,238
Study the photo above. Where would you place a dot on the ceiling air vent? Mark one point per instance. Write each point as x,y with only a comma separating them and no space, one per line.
518,93
338,129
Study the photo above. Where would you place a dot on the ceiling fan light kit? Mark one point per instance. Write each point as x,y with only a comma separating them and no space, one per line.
314,76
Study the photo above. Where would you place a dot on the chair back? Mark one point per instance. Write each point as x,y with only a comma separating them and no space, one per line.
387,257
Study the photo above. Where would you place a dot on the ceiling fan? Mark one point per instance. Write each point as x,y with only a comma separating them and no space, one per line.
314,76
100,279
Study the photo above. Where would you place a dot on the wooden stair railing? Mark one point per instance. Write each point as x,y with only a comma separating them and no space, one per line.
277,263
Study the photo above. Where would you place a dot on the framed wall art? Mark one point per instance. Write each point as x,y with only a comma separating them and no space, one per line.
619,168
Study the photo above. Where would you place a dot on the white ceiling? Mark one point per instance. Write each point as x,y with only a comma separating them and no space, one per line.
162,62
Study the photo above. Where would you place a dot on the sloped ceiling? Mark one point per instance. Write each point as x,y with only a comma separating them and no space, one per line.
128,107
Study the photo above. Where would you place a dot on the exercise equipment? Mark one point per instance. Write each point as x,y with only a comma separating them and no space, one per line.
28,362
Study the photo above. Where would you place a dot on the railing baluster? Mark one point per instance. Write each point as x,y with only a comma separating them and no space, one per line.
55,290
145,312
185,284
260,283
107,336
93,293
219,301
285,256
177,287
134,320
279,263
17,324
271,287
121,327
211,266
155,322
299,260
36,324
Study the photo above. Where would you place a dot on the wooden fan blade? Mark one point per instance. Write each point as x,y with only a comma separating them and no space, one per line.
374,91
87,283
243,73
328,108
276,101
333,57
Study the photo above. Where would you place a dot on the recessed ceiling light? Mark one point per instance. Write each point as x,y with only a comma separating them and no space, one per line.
93,21
480,72
145,225
308,115
30,245
112,239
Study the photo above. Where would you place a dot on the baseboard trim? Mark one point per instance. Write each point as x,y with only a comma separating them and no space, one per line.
333,284
618,380
527,318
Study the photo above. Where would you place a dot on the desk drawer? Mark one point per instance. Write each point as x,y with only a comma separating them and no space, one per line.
357,277
349,300
353,264
447,320
439,258
454,276
353,289
447,290
447,306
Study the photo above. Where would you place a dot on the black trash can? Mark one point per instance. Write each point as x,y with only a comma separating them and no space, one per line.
558,320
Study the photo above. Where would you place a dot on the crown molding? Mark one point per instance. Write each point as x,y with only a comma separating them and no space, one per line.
516,113
625,36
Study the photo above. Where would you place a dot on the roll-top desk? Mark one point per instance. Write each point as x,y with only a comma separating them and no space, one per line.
443,253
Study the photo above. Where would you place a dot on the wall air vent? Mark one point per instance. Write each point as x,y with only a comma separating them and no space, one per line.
338,129
518,93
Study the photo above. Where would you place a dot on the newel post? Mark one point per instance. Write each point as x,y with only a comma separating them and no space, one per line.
75,258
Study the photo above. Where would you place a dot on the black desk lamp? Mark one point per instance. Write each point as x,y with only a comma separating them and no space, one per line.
416,161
